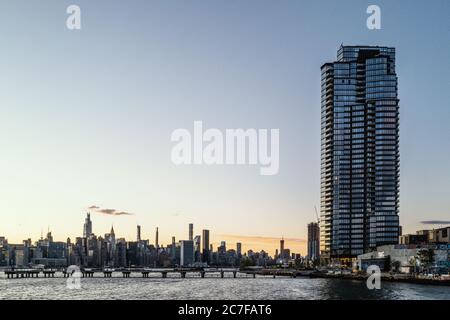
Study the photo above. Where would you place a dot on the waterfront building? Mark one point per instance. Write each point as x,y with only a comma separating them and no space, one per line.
359,152
434,236
133,254
186,252
285,255
197,249
439,236
110,240
4,252
414,238
407,258
121,252
239,249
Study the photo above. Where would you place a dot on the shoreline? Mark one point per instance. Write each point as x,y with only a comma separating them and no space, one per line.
384,277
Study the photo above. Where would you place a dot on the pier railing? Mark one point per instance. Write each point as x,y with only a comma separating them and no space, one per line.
145,272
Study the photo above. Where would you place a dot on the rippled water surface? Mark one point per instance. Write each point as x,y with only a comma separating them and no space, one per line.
212,287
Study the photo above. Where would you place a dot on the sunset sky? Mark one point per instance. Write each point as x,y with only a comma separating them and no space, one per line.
86,115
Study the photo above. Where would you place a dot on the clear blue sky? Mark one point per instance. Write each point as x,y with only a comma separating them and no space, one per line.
86,116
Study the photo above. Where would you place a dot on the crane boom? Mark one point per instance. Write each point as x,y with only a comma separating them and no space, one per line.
317,215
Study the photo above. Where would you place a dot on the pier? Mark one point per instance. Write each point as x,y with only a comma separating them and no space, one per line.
147,272
211,273
22,273
108,273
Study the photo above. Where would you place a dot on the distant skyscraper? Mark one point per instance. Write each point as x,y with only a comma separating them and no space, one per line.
197,243
205,240
138,238
110,239
281,245
186,252
191,231
156,239
87,228
239,248
313,241
197,248
360,152
174,248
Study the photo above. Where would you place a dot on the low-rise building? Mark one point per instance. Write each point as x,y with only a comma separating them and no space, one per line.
407,258
434,236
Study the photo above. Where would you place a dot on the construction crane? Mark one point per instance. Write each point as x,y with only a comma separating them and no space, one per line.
317,215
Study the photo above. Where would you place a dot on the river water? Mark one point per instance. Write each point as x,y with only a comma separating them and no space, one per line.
212,287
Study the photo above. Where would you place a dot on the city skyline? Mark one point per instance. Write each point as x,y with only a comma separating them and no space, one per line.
92,127
246,242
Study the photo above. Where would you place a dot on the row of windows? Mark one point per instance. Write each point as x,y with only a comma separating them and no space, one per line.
381,95
381,83
385,108
384,77
381,120
373,61
377,66
344,92
381,89
350,98
349,108
378,72
385,125
386,131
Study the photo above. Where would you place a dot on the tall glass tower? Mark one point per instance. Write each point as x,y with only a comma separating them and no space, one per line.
87,227
359,152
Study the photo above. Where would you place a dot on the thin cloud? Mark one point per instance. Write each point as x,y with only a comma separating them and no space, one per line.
107,211
113,212
122,213
435,222
93,207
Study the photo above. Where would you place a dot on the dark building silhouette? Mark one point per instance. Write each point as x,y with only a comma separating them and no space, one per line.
313,241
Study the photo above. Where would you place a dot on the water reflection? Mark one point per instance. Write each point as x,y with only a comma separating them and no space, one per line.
214,288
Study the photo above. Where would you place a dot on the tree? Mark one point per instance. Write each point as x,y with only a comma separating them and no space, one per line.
425,257
246,262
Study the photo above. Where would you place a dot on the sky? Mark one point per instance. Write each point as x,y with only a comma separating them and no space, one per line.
86,115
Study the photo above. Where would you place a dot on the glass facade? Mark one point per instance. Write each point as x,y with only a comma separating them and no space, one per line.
359,152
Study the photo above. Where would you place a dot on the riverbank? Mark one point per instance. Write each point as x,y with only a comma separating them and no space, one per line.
385,277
